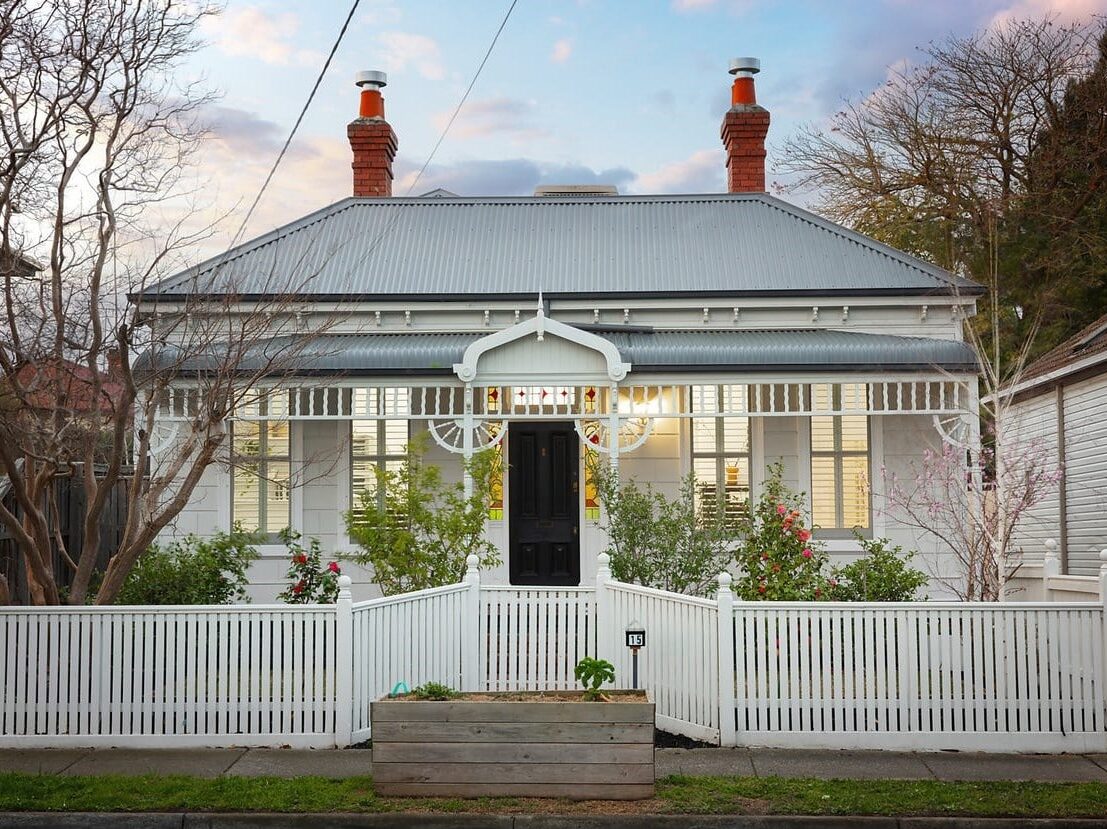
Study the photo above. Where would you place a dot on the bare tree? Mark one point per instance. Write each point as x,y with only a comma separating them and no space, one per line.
927,161
938,162
97,135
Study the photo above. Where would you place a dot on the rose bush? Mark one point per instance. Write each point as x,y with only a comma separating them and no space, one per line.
310,581
779,560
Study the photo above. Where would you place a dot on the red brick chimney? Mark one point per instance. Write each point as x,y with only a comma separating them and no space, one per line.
744,129
372,140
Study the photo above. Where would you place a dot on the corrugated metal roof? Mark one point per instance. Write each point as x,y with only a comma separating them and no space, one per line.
426,248
799,350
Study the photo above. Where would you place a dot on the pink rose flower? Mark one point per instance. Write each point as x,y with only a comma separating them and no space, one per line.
333,567
807,553
781,509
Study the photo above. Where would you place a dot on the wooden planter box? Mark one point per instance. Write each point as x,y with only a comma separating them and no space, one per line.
515,745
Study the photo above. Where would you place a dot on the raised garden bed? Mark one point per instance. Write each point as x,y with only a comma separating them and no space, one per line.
532,744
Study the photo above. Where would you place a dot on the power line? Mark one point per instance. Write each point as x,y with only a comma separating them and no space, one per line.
464,98
296,126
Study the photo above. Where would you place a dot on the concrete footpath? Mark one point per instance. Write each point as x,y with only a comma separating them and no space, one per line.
859,765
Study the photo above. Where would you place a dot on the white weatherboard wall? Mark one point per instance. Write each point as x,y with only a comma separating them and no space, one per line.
1086,472
1034,422
989,677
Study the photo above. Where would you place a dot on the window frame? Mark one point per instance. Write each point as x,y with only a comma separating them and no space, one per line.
719,454
838,454
262,460
376,458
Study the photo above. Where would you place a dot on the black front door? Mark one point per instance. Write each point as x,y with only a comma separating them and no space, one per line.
544,510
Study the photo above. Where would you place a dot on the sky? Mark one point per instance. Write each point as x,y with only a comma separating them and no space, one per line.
629,93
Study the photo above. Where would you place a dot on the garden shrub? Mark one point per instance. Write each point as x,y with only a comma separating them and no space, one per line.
883,574
779,559
310,582
193,570
415,530
668,544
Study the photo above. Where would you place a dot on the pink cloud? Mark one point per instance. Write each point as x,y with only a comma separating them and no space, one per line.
562,50
251,32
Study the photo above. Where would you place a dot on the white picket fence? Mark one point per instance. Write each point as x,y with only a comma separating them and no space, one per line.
925,675
172,676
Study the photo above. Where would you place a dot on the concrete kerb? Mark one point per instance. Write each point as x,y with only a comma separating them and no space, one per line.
85,820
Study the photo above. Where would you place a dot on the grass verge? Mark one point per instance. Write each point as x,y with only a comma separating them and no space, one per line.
675,795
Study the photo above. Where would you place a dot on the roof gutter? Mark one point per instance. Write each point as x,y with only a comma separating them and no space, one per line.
955,291
1050,377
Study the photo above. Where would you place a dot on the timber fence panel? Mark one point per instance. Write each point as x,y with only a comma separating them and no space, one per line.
679,665
411,638
532,638
920,675
165,676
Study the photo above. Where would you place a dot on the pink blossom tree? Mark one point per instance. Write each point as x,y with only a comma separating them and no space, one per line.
971,513
973,493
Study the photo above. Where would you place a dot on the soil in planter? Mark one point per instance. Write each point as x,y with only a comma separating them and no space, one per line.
665,739
531,696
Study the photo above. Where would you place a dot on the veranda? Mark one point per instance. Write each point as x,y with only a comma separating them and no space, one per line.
833,436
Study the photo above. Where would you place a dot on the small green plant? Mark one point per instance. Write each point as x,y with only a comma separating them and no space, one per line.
883,574
193,570
592,673
310,582
434,691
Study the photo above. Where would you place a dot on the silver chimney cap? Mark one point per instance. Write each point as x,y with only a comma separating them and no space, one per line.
746,66
371,78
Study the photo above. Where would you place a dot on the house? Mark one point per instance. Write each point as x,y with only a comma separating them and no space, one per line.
713,333
1058,411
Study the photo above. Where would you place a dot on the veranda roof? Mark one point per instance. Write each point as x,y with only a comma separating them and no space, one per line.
362,355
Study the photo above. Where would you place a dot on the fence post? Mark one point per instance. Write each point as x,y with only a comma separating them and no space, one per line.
603,608
1103,603
470,627
343,664
1051,566
727,733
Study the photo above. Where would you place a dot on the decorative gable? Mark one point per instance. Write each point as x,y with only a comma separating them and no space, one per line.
546,352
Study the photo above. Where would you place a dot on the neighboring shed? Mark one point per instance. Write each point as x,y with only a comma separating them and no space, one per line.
1061,400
